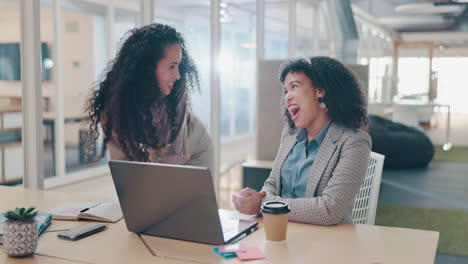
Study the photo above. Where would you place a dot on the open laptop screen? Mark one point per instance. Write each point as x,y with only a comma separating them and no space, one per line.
170,201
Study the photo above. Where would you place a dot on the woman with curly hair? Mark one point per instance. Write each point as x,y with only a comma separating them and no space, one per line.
142,103
323,156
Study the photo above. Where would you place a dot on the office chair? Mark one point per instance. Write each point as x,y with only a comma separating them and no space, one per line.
365,204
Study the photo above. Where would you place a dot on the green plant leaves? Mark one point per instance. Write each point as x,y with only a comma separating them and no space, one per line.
21,214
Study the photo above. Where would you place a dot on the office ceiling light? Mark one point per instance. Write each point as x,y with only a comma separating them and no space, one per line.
427,9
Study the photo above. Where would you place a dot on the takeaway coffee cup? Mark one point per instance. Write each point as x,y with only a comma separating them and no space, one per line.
275,220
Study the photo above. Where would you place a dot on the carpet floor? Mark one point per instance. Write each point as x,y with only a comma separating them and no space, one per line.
451,224
457,154
431,198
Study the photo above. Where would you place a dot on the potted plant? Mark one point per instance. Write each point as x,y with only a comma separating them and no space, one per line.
20,233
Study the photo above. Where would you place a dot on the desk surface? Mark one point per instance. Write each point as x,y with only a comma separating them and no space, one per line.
346,243
115,245
36,259
336,244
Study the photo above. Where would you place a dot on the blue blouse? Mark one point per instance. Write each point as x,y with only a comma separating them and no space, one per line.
296,168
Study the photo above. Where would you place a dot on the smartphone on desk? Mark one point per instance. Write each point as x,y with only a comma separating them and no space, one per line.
82,231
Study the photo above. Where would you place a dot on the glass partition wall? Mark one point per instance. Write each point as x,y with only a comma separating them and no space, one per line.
376,51
75,44
237,68
304,30
11,151
84,56
124,21
276,29
192,19
92,31
48,85
237,73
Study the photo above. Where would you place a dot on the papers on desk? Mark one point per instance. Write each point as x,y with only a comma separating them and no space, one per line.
240,216
252,253
242,251
105,212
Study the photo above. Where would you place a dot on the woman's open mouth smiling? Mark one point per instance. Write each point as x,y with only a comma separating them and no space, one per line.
294,111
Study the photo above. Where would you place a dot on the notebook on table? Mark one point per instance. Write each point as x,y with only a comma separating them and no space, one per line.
97,211
43,220
174,201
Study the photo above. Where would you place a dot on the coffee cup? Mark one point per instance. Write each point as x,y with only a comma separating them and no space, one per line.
275,220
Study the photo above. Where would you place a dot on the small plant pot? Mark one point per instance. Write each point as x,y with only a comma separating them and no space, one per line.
20,238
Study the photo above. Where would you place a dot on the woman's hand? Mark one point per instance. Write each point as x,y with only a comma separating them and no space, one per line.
248,201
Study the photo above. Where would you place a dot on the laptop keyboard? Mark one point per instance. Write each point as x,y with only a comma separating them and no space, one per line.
233,225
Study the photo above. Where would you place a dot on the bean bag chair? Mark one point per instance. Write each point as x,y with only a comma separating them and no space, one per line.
404,147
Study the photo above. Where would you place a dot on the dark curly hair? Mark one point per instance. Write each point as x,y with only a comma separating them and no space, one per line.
343,97
124,100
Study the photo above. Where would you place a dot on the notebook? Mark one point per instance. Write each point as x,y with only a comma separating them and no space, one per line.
97,211
43,221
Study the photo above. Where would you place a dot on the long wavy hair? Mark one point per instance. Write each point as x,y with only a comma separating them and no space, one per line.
343,96
127,97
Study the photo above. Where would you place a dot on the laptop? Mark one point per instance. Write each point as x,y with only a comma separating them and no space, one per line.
174,201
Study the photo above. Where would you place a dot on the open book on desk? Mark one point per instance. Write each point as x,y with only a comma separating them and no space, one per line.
105,212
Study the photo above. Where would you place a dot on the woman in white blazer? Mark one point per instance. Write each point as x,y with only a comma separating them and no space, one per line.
142,102
323,156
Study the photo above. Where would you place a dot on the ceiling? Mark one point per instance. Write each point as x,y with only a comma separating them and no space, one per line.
417,15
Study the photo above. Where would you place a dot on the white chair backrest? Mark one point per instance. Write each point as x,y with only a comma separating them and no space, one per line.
365,205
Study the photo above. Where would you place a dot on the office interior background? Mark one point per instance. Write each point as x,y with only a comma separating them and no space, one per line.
402,50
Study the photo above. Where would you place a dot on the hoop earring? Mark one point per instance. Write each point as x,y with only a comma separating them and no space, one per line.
322,103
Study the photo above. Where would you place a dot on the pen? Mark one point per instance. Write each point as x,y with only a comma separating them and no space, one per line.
86,209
